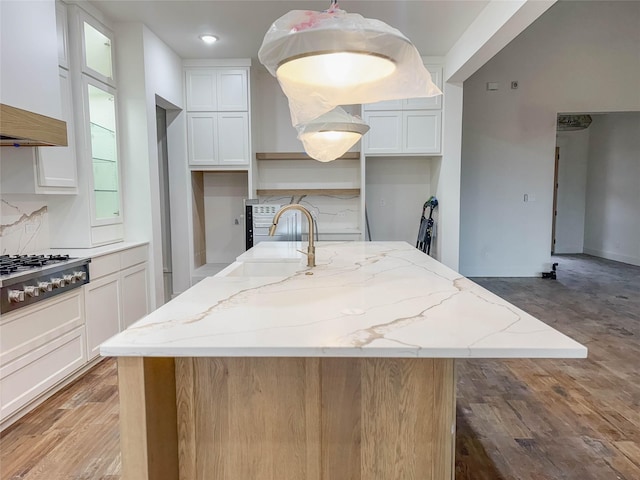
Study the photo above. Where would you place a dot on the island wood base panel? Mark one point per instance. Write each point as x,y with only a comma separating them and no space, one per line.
288,418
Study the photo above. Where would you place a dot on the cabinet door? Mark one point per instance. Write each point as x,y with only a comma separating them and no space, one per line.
102,311
57,165
385,134
232,91
134,288
201,90
97,49
202,138
422,132
61,29
427,103
386,105
233,138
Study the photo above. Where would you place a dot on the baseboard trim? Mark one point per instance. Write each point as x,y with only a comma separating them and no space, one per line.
613,256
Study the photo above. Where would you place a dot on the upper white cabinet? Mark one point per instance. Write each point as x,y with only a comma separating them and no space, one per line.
97,49
218,138
385,134
62,34
410,126
218,116
56,166
47,170
216,90
394,132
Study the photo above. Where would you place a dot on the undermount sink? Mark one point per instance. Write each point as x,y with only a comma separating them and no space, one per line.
261,269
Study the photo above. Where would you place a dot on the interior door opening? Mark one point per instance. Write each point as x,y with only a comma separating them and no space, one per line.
165,212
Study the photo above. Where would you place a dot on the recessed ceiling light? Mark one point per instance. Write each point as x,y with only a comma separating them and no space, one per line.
209,39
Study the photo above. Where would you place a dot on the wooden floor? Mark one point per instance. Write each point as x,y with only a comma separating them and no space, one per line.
517,419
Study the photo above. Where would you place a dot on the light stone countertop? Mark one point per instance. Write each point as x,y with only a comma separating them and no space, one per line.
95,251
363,299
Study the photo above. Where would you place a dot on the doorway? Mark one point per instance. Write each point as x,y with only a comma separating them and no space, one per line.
597,192
555,202
165,212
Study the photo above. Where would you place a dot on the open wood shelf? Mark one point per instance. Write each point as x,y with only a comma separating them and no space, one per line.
307,191
300,156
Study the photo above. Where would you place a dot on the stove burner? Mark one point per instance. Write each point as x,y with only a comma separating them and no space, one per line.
13,263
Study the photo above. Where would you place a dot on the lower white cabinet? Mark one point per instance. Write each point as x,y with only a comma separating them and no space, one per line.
395,132
40,345
102,306
116,296
46,343
133,288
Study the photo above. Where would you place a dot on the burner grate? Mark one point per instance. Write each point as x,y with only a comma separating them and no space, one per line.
12,263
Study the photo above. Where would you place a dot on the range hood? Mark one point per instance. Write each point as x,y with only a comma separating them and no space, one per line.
23,128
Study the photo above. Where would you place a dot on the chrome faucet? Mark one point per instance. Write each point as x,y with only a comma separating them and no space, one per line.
311,249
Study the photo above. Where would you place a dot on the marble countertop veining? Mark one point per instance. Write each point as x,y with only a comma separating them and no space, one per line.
363,299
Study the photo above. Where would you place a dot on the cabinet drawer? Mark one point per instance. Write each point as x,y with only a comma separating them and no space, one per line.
33,327
133,256
31,375
104,265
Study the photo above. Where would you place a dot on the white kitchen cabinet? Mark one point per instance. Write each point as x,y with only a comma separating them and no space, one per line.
57,166
62,34
233,138
102,306
395,132
116,296
385,134
422,131
40,346
47,170
411,126
216,90
134,286
96,44
218,138
427,103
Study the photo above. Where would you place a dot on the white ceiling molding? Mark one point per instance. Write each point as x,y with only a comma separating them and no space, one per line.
497,25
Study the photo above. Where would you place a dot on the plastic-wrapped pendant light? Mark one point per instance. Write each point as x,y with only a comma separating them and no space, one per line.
330,135
331,58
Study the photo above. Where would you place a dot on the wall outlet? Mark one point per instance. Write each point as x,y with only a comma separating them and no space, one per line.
383,202
514,85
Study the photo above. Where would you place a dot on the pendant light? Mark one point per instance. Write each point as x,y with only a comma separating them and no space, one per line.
330,135
331,58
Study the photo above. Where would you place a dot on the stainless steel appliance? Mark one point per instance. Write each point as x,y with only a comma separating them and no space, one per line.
27,279
259,218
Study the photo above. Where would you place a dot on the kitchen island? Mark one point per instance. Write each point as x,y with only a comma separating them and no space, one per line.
273,370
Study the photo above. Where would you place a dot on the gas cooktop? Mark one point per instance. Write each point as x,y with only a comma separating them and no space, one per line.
26,279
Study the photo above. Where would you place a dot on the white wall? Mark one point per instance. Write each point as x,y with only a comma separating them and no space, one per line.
612,227
572,190
224,194
397,188
577,57
148,69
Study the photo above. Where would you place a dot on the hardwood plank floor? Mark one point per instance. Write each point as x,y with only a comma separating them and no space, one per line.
559,419
517,419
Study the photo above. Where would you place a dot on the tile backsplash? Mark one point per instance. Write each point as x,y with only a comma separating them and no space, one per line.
24,225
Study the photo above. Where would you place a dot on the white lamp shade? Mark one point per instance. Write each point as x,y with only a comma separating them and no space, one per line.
331,135
326,59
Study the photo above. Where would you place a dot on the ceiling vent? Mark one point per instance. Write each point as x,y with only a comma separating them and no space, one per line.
570,123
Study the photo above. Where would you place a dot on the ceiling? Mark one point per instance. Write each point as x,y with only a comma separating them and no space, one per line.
433,26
